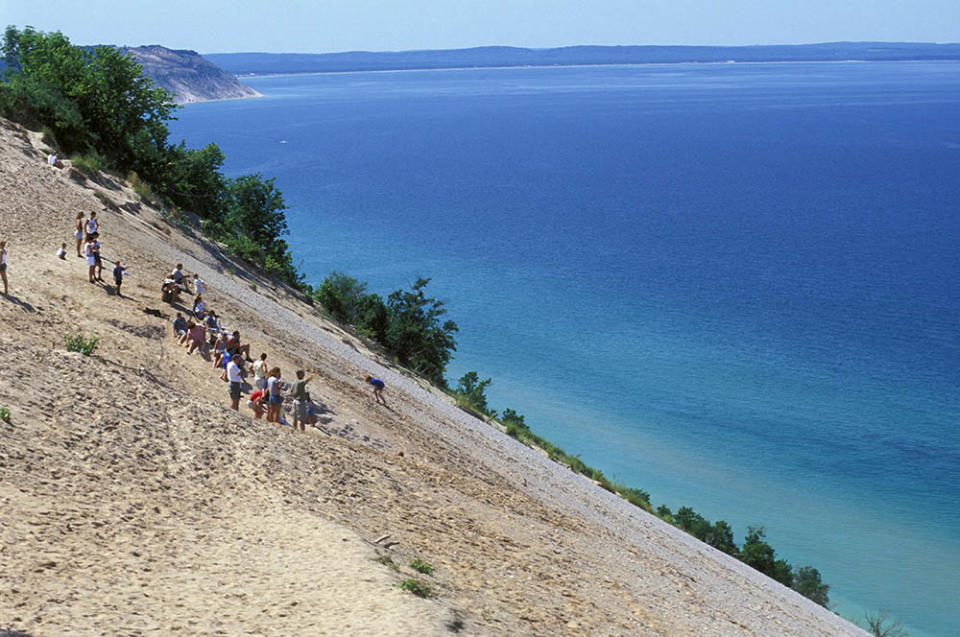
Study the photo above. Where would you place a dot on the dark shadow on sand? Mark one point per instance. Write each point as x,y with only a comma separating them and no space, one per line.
23,304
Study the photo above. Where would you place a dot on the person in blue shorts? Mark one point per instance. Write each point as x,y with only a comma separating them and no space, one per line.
378,387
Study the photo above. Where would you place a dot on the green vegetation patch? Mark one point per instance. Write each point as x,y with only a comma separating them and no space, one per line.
420,566
79,343
418,588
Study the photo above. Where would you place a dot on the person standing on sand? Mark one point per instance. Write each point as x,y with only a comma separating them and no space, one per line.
91,260
93,226
118,276
78,232
235,378
378,387
3,265
96,256
300,399
260,372
276,397
198,284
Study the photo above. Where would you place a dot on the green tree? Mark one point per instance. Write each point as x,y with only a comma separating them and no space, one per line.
116,103
471,392
340,295
416,334
191,178
692,522
511,417
373,318
806,581
757,553
720,536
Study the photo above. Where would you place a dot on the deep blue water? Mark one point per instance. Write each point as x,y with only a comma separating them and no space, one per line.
734,286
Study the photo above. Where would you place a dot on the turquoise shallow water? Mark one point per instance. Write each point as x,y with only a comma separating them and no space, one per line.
734,286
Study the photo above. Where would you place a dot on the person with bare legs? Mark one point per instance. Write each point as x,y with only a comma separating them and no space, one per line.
378,387
3,265
300,399
235,378
275,403
78,232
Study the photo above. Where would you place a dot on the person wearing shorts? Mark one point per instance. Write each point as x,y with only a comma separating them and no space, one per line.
118,277
93,226
78,233
260,372
235,378
91,259
378,387
300,398
276,397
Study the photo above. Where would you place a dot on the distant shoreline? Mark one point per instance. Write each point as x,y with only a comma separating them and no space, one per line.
599,65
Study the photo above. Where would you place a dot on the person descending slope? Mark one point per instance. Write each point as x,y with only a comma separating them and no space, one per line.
378,387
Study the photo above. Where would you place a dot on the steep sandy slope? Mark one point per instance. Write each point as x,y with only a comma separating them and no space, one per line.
132,501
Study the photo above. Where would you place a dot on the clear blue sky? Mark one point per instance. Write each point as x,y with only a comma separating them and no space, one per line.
218,26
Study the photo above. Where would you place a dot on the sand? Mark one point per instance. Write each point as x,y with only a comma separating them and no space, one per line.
134,501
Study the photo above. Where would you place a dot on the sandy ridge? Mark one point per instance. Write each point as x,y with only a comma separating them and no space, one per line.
520,545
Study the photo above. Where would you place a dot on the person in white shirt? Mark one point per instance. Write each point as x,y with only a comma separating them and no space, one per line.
198,284
235,378
93,226
62,252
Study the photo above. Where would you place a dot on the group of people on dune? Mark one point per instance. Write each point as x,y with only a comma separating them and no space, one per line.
203,332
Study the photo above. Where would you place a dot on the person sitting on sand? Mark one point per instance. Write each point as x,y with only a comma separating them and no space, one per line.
177,274
276,396
213,323
233,342
235,378
3,265
54,161
219,349
78,232
62,252
93,226
197,336
179,326
199,307
260,372
300,398
257,401
169,291
378,387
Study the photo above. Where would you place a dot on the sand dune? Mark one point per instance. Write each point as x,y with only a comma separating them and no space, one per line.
133,501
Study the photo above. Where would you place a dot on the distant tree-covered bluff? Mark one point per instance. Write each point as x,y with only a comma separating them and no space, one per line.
491,56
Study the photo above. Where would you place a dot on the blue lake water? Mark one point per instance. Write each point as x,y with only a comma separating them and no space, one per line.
734,286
